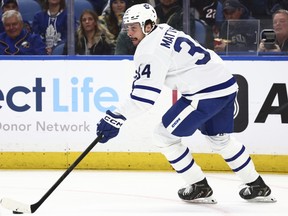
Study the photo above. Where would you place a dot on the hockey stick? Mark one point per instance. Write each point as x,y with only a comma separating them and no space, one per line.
19,208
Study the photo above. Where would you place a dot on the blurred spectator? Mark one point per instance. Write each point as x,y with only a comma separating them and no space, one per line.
12,5
211,13
112,19
124,46
206,10
51,23
42,2
246,3
167,9
260,9
239,31
281,4
99,5
91,38
171,12
16,40
129,4
133,2
280,26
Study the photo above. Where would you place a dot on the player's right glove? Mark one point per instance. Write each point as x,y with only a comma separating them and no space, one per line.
109,126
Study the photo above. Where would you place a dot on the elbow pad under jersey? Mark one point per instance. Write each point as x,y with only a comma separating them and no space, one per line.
133,108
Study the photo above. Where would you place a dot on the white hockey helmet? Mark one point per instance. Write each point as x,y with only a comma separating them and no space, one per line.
140,13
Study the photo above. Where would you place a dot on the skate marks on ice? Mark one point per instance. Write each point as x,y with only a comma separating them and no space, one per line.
109,193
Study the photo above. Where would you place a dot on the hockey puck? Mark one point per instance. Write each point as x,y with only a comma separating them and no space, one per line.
16,212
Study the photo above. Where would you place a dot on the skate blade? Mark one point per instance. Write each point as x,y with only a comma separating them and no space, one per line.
267,199
205,200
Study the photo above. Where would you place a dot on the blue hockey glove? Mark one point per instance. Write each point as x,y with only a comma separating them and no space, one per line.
109,126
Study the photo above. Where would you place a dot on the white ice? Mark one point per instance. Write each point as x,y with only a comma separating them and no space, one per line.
115,193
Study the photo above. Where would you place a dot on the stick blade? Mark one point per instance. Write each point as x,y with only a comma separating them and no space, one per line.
15,206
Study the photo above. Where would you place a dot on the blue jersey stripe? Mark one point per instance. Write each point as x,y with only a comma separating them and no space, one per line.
144,100
147,88
220,86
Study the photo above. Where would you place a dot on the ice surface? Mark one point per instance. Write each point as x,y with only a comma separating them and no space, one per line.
115,193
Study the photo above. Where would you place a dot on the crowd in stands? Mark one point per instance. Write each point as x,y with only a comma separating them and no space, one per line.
239,32
227,26
91,38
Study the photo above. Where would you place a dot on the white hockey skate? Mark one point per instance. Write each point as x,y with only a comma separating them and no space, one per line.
199,192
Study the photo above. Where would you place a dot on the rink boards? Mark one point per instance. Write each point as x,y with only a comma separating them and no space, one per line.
49,108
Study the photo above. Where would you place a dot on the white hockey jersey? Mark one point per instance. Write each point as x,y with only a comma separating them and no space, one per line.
172,58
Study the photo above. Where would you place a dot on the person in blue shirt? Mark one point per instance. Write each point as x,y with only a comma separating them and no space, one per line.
16,40
51,23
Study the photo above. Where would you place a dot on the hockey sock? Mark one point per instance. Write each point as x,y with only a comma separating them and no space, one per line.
180,158
238,159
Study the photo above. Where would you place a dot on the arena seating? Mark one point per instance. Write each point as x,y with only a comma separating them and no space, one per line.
28,9
81,5
200,32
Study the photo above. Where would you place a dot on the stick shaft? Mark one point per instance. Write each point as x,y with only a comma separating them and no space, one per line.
35,206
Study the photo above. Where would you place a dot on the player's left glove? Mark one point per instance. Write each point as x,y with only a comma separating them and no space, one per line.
109,126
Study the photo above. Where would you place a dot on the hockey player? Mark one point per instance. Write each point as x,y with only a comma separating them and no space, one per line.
167,56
